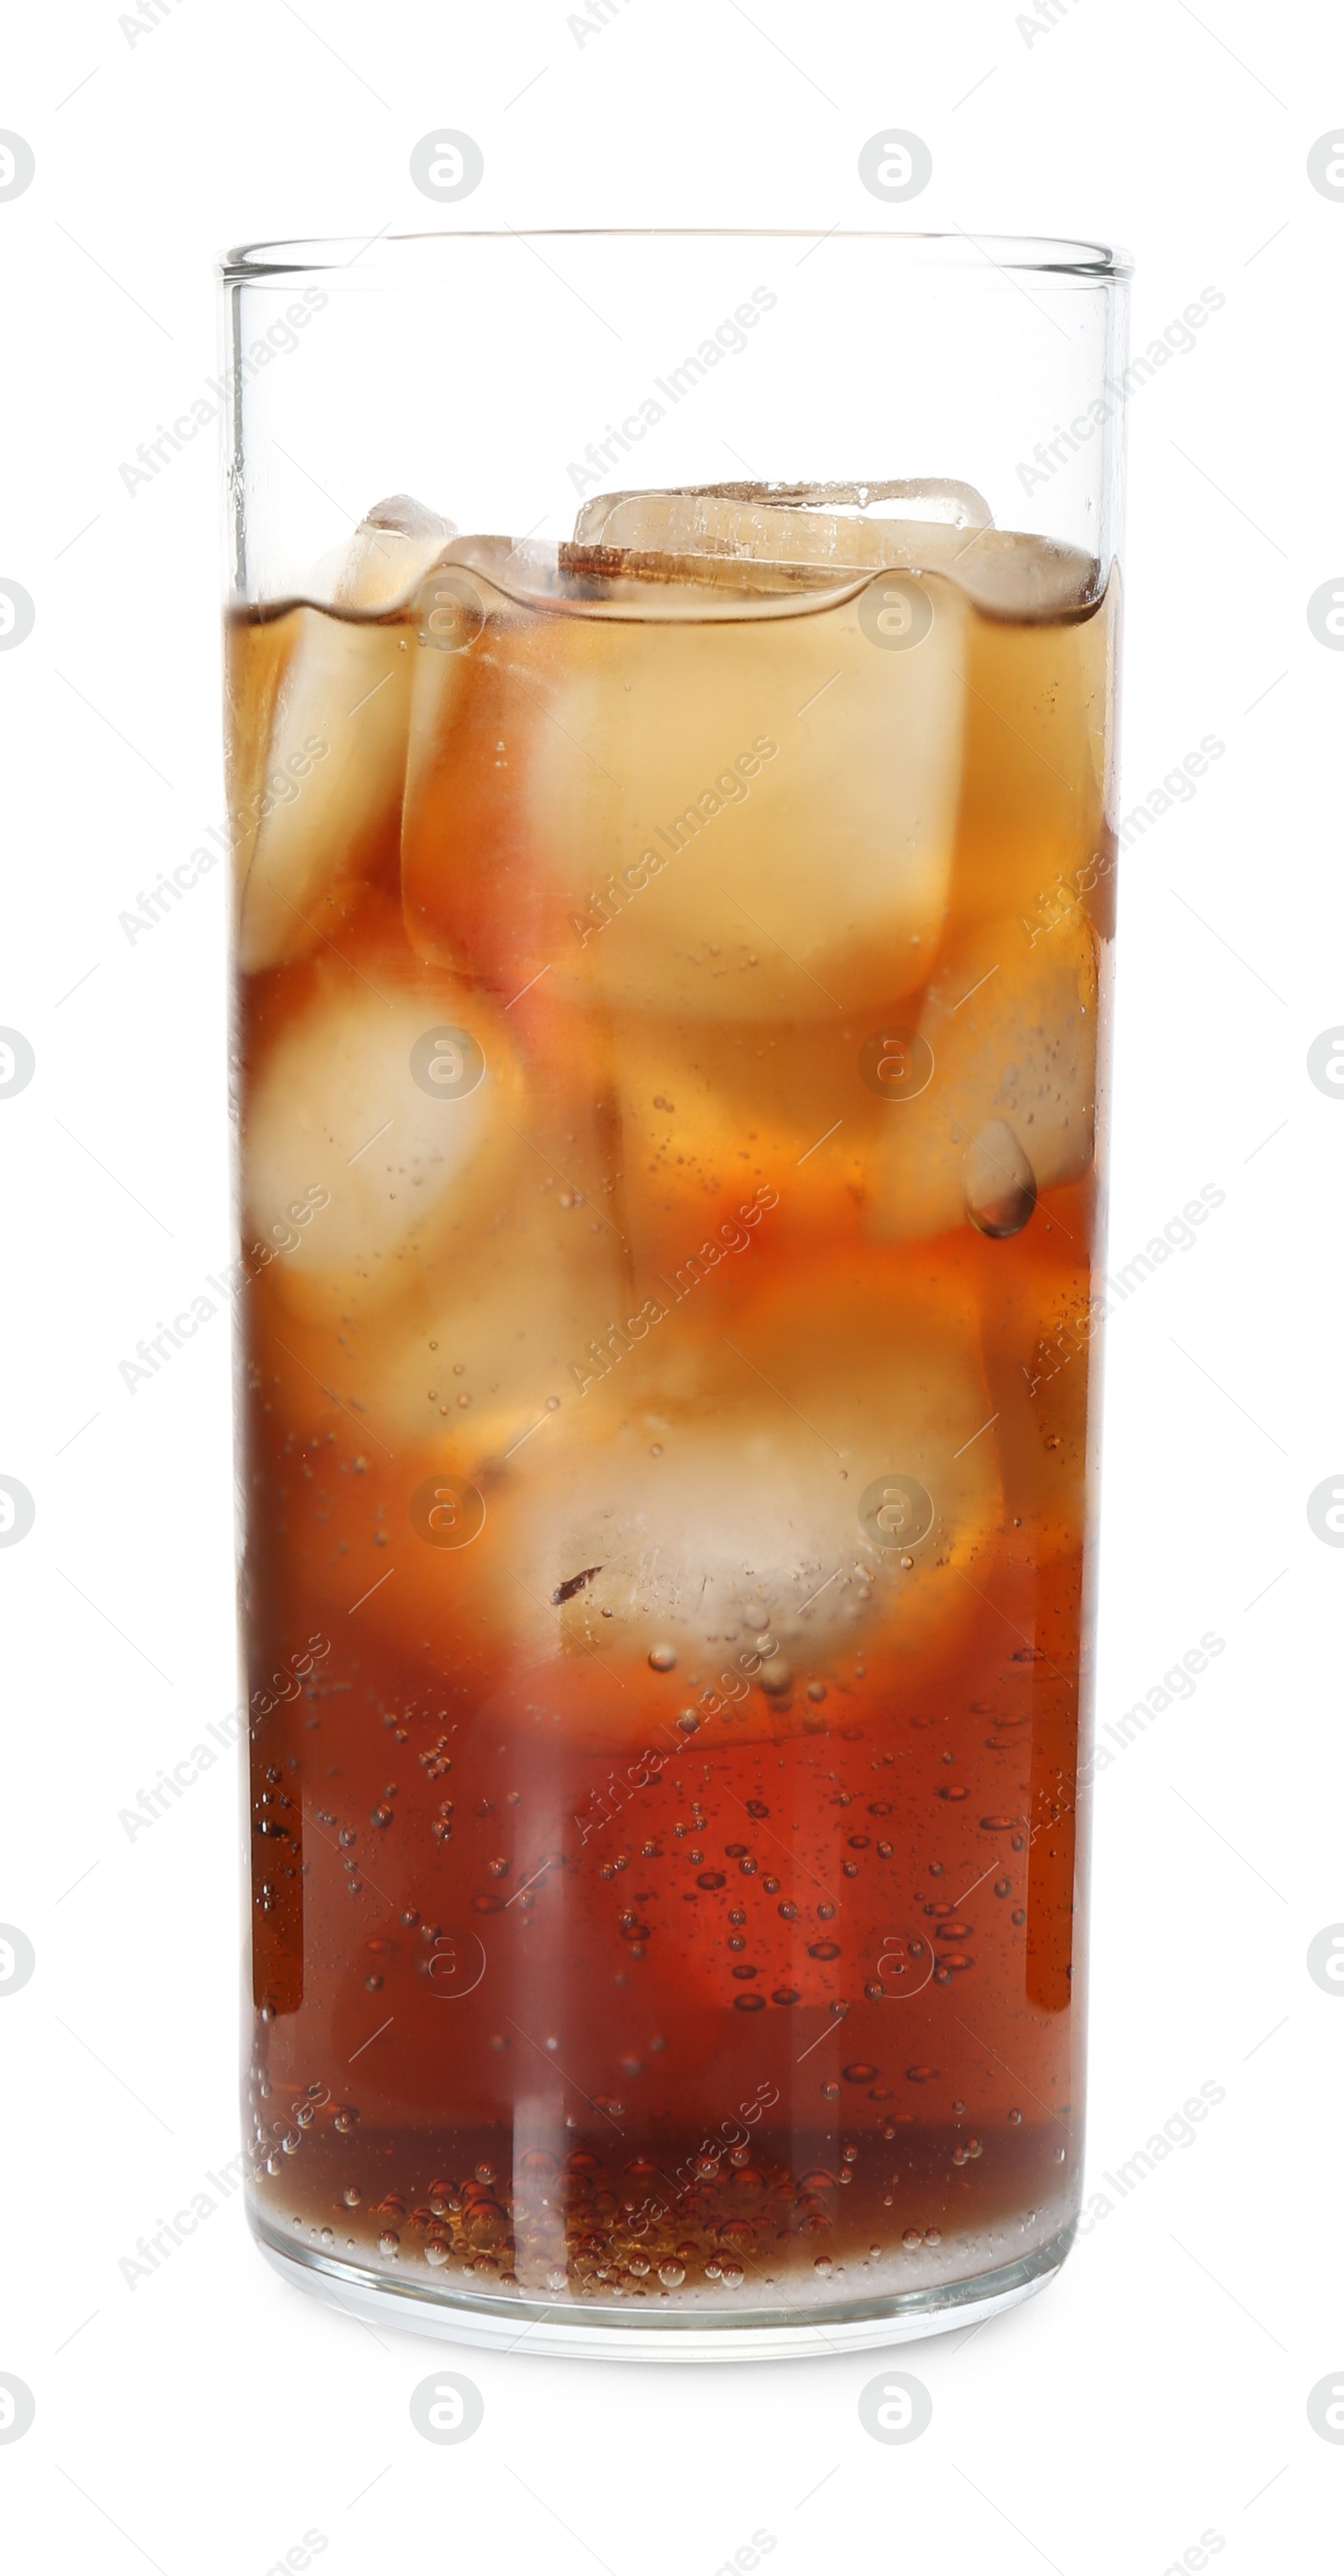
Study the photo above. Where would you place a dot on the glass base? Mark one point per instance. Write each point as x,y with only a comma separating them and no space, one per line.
581,2332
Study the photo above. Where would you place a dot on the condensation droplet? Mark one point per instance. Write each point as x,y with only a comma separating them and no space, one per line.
997,1181
662,1658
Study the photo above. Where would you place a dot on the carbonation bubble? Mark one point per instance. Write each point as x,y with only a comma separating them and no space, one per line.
997,1181
662,1658
671,2275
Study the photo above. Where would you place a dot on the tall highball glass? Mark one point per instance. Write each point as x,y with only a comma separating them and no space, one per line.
670,706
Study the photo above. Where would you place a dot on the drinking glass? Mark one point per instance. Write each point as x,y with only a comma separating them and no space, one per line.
670,697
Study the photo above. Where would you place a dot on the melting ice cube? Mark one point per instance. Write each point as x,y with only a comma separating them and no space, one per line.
317,797
689,797
1010,1105
379,1129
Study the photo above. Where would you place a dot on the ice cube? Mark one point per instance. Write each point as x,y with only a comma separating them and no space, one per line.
317,802
848,527
841,523
687,803
482,1352
717,1118
938,527
1032,832
381,1134
747,1515
1009,1108
675,1553
390,553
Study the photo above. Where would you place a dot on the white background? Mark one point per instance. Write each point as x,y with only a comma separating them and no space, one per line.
208,2418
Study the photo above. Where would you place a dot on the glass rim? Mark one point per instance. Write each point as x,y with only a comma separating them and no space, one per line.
1041,255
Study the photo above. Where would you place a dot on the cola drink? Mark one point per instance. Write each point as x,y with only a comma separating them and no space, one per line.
672,1014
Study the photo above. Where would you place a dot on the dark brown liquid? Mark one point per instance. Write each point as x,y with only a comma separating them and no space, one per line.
671,1892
